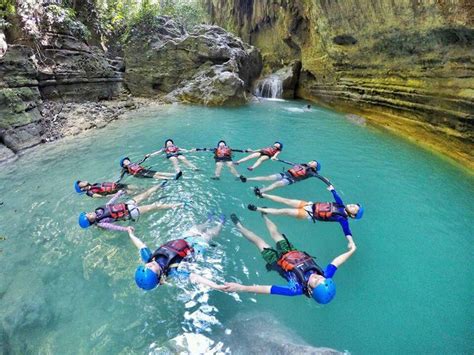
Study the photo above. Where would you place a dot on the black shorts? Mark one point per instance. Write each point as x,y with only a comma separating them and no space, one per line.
146,173
223,159
173,155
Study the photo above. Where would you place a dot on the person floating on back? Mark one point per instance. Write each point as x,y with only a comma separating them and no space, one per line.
223,155
298,172
138,171
100,189
304,275
262,155
106,216
175,155
335,211
163,262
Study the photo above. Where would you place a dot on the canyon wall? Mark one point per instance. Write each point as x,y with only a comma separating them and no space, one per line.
407,65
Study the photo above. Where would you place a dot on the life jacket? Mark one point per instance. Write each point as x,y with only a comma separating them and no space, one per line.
300,263
117,212
224,152
171,250
104,188
172,149
270,151
300,172
325,210
134,168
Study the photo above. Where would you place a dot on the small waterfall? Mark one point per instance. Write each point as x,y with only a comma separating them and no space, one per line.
271,87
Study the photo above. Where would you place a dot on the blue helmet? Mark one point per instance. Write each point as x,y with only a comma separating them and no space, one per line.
280,143
83,221
360,213
145,278
77,187
122,160
221,141
325,292
318,165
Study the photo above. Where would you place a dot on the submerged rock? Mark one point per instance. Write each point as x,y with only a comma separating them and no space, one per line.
207,65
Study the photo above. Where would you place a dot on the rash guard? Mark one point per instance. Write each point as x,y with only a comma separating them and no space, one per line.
342,219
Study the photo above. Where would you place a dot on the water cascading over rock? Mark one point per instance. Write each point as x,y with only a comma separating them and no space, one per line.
269,87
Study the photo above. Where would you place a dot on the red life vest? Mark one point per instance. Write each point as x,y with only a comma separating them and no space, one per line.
325,211
118,211
300,263
299,171
270,151
134,168
171,250
172,149
104,188
224,152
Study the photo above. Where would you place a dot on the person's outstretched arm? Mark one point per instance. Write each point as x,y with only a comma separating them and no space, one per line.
337,198
195,278
112,227
275,157
135,240
236,287
154,153
341,259
122,174
115,197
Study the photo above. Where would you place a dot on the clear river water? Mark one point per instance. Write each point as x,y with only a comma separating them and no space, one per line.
408,289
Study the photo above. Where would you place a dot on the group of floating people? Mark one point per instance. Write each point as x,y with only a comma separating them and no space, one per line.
303,274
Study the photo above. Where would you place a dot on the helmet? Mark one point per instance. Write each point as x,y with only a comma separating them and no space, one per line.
77,187
325,292
146,278
122,160
360,213
83,221
221,141
168,140
318,164
280,143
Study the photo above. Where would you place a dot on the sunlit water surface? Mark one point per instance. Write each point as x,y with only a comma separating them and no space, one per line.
408,288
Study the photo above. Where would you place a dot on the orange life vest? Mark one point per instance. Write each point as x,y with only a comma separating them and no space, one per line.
172,149
224,152
104,188
118,211
298,171
300,263
134,168
270,151
171,250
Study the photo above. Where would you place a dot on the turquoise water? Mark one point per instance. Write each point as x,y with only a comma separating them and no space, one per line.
408,288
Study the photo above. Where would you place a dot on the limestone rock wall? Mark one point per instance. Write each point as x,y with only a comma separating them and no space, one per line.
407,65
46,56
208,65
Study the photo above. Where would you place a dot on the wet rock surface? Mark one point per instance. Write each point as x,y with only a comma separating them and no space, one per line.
208,65
413,65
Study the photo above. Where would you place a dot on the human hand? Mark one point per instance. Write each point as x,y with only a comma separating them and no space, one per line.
130,230
330,188
147,155
232,287
351,245
273,158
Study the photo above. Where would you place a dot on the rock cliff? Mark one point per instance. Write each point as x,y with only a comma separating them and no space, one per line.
405,65
208,65
46,56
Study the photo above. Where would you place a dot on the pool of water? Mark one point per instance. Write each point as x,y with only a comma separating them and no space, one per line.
408,288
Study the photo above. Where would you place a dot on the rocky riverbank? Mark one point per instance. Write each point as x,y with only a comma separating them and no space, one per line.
57,80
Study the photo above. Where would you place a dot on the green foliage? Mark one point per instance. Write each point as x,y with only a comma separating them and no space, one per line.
120,16
7,9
